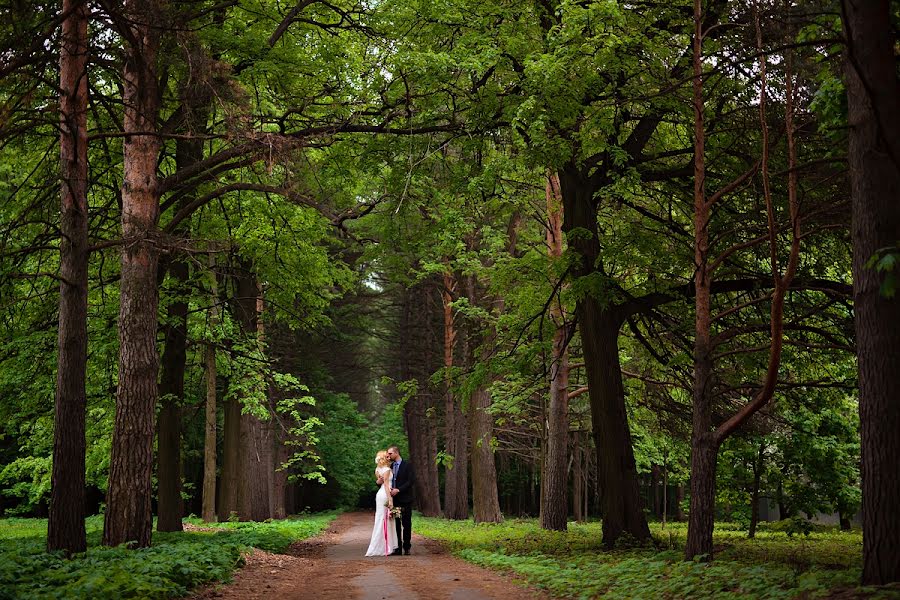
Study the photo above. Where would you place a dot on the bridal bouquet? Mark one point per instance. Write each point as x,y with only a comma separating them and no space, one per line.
394,511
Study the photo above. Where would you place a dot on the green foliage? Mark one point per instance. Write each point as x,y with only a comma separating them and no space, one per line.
572,564
348,442
174,564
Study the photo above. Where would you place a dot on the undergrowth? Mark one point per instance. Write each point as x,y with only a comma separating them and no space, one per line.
175,563
573,564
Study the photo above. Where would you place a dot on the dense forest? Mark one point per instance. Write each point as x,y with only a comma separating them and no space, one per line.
581,260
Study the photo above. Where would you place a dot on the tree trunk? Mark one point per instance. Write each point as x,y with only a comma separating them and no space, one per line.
599,325
654,495
554,479
420,429
171,386
578,481
873,98
208,511
679,503
255,436
485,502
65,529
280,482
229,482
703,498
456,496
844,520
128,517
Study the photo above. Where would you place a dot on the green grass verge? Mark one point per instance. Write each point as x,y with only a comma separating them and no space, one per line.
573,564
175,563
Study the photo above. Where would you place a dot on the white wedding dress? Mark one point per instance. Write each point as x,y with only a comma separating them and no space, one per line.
384,532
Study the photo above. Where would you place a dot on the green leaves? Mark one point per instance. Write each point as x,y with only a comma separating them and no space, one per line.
885,261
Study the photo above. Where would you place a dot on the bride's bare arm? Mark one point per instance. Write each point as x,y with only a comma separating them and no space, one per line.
387,488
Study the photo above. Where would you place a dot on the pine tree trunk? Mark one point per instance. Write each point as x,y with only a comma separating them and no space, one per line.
578,491
128,516
554,479
171,393
703,441
419,426
703,498
255,441
485,501
654,495
456,497
280,482
229,482
208,511
873,98
65,529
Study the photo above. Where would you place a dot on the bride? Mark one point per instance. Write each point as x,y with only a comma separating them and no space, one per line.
384,533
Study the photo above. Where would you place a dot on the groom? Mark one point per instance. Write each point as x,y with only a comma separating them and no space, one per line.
402,491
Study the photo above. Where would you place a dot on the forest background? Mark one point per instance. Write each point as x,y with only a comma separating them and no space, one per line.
579,259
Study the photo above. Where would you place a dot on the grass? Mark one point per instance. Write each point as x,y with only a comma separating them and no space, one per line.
573,564
175,563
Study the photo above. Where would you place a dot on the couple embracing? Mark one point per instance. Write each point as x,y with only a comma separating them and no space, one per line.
395,477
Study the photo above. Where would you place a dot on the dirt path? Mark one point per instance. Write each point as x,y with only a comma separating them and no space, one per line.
332,566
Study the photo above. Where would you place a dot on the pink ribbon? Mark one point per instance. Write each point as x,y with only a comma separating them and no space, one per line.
384,524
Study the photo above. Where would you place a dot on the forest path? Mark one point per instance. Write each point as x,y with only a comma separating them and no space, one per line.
333,566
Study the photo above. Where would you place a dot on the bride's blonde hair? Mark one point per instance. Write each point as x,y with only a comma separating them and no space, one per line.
381,458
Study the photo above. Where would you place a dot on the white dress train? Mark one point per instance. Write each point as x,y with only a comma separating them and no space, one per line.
384,532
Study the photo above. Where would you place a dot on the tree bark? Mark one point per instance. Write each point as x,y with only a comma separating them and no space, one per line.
419,363
456,491
485,500
128,516
208,511
255,436
229,482
578,487
554,479
174,357
704,440
65,529
599,324
280,481
873,98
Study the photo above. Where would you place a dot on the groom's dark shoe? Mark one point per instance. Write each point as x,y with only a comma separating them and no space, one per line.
406,552
397,552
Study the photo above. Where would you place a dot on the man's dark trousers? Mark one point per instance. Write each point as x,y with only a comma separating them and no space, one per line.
404,481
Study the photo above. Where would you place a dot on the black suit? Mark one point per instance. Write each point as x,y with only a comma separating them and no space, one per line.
404,481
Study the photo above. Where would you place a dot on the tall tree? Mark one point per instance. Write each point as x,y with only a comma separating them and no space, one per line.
128,516
873,99
456,439
554,475
208,512
65,530
707,437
